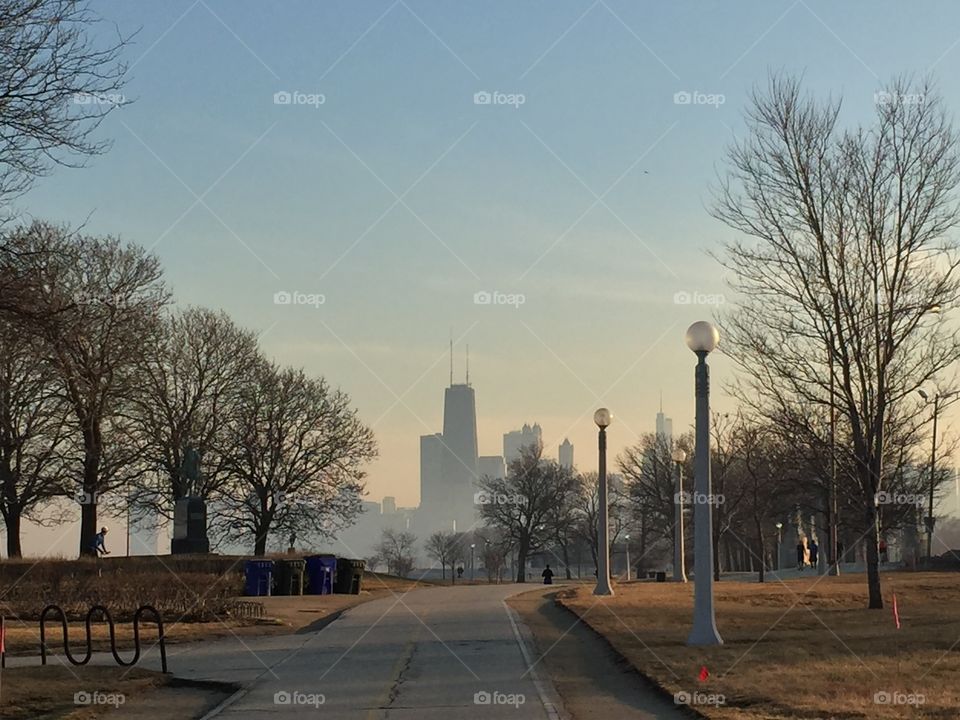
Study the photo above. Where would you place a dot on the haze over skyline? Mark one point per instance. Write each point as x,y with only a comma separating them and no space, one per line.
403,193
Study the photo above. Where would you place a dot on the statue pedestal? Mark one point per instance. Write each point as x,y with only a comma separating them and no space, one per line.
189,527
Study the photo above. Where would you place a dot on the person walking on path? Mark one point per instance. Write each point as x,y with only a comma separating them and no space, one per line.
547,576
801,554
814,553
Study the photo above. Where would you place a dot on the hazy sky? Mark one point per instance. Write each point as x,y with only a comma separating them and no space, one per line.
582,186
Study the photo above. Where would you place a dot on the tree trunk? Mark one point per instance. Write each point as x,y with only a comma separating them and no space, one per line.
12,521
91,487
761,547
873,559
566,560
522,551
260,544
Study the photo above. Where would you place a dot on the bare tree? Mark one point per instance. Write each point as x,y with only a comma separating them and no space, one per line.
95,302
847,256
34,431
193,373
523,504
298,456
439,546
57,83
396,550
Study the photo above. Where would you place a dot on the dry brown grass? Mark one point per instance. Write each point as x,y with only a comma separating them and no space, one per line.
806,648
33,692
281,614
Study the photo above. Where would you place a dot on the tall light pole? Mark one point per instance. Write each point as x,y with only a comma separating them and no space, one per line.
779,541
702,338
930,520
603,418
473,574
627,540
679,562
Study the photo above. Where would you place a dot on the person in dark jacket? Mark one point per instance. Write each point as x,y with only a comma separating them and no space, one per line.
547,575
814,553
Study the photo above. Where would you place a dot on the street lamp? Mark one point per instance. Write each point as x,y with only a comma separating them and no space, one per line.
679,563
930,520
473,574
779,540
603,418
702,338
627,538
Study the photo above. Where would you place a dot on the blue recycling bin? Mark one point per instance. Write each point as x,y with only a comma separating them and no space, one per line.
257,577
321,570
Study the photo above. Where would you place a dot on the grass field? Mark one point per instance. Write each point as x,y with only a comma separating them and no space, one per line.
805,648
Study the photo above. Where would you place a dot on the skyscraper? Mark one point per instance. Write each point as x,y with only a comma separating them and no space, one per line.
449,463
664,424
565,454
514,440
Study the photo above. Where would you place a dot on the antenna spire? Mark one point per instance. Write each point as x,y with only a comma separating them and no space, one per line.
661,401
468,364
451,357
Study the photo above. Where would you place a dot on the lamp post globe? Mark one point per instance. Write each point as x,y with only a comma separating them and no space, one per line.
703,336
603,418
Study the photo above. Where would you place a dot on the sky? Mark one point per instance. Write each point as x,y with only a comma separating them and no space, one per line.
554,157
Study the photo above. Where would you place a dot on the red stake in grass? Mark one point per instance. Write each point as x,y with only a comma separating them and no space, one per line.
896,612
704,674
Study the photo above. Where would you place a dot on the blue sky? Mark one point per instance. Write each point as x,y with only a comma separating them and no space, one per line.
398,197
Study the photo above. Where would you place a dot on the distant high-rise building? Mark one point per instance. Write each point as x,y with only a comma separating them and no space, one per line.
449,463
491,466
514,440
431,472
389,505
664,424
565,454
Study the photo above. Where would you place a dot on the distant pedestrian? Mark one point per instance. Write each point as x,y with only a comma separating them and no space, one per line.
460,571
547,576
99,546
883,551
801,555
814,553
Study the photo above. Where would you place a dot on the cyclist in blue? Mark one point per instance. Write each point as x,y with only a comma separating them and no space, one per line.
99,546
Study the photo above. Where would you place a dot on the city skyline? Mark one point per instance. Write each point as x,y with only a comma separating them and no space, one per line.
567,247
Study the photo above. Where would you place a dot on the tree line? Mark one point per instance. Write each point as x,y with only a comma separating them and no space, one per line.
105,385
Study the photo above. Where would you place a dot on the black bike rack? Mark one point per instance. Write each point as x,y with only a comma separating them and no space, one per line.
57,610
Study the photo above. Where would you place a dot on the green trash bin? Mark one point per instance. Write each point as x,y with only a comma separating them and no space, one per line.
289,576
349,576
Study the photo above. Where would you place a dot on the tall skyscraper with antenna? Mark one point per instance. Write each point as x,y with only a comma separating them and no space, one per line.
664,424
448,460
